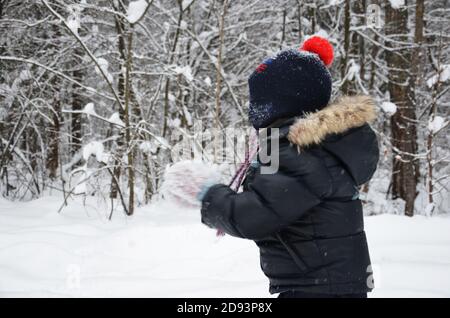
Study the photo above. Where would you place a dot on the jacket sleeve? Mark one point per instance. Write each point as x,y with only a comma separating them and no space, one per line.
270,203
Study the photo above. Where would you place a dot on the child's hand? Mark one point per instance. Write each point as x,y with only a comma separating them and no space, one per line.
187,182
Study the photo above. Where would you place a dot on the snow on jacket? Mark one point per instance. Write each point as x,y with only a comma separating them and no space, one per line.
307,219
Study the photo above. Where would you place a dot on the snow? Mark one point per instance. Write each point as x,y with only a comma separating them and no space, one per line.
333,2
172,98
442,77
104,67
186,4
186,71
397,4
429,209
163,143
389,108
183,25
148,147
89,109
164,251
322,33
94,148
25,75
80,188
115,119
436,124
353,70
410,255
73,23
175,123
135,10
187,116
445,74
208,81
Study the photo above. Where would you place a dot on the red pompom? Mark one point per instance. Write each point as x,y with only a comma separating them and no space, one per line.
321,47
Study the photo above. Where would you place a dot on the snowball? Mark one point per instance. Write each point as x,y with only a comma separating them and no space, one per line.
389,108
396,4
184,180
436,124
89,109
94,148
115,119
135,10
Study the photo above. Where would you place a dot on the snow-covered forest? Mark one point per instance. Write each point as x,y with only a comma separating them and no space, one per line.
95,97
95,93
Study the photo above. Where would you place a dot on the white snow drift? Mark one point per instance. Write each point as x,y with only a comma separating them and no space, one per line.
165,252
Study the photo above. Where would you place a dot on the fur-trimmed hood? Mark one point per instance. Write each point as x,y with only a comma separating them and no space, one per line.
341,129
337,118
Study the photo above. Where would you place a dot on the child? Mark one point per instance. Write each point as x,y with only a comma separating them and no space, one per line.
306,219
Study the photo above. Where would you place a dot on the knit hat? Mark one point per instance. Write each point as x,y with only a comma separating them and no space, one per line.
292,83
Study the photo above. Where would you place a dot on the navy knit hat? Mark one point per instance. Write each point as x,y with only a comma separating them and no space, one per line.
292,83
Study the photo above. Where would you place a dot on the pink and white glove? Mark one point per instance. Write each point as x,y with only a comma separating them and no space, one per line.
187,182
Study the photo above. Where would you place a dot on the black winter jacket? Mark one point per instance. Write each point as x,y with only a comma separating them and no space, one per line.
307,218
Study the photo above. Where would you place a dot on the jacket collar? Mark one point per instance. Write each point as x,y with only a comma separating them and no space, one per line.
337,118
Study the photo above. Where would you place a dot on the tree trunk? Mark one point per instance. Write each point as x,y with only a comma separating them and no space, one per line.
219,64
171,59
77,106
345,57
312,15
300,22
53,139
128,136
405,171
117,170
283,29
52,160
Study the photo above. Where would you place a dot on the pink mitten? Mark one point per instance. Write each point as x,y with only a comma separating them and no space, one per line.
185,182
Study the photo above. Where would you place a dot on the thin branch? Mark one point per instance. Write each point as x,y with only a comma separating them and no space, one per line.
86,49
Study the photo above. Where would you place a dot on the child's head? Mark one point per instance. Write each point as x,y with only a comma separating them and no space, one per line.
292,83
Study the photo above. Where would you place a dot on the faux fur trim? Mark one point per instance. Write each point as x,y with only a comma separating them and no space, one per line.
347,113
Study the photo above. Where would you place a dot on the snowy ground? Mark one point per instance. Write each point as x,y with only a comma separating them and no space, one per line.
166,252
